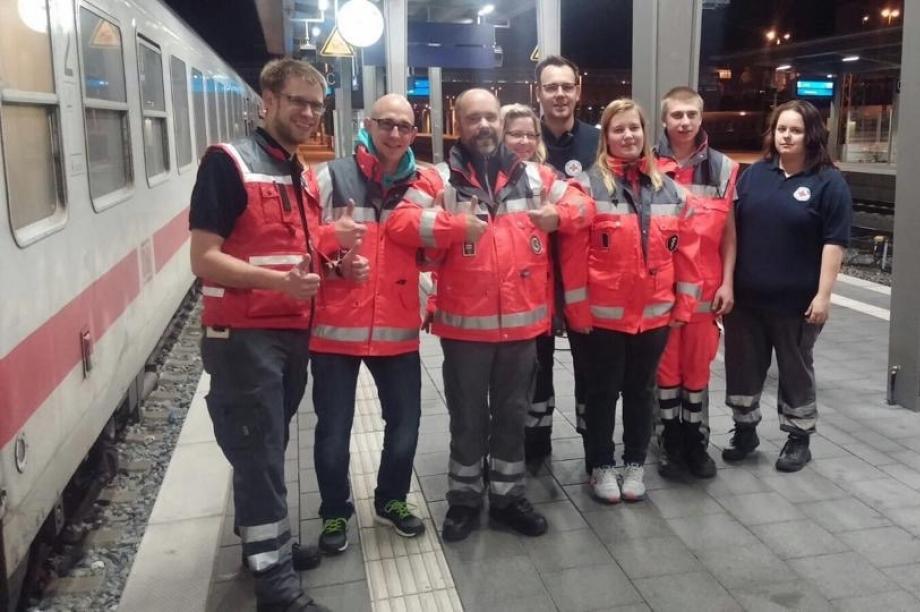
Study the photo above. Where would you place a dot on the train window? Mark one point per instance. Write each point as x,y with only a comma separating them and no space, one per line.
179,79
108,139
29,122
212,111
153,106
201,128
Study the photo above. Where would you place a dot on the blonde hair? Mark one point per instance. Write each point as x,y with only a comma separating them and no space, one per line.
276,73
613,109
510,112
680,94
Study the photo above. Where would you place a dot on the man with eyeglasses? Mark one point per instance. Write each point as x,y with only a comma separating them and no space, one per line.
375,322
571,147
254,243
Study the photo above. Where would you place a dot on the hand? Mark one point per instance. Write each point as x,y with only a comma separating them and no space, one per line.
818,310
723,301
354,267
347,231
545,218
475,227
299,282
426,322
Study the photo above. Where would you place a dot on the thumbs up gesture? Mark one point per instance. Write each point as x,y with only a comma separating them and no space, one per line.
347,230
475,227
299,282
545,218
355,267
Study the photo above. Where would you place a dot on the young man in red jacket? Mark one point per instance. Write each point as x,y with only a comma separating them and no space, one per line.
684,154
375,322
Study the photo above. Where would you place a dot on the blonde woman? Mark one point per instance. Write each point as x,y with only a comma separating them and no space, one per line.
639,278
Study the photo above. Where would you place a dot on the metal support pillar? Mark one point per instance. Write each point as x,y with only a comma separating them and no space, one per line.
436,99
344,131
666,53
549,25
396,17
904,329
368,86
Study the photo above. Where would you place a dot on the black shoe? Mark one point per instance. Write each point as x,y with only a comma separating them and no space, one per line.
303,558
397,515
743,443
334,538
459,523
699,462
795,454
520,516
538,445
302,604
671,464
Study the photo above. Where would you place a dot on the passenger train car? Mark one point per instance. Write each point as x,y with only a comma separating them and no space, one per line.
105,109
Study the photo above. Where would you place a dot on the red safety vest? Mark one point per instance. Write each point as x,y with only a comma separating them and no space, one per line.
269,233
380,316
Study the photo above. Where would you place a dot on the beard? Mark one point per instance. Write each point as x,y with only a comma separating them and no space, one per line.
485,142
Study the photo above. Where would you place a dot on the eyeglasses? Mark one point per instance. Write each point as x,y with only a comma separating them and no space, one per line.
302,104
554,87
523,136
387,126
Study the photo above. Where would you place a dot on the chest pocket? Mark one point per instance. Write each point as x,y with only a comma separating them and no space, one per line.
279,204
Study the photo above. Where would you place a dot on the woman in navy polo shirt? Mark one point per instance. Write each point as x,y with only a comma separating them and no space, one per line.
792,212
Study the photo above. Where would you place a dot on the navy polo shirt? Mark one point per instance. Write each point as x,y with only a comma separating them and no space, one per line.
573,152
783,225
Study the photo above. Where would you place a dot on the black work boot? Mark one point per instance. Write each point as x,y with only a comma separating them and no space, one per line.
795,454
671,463
459,523
303,557
699,463
743,443
520,516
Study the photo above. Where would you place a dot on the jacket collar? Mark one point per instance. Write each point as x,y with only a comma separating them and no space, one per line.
271,146
461,161
704,164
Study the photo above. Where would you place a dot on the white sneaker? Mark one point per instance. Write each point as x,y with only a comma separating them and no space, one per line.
605,484
633,485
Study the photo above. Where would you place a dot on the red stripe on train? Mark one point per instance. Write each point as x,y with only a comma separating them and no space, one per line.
36,366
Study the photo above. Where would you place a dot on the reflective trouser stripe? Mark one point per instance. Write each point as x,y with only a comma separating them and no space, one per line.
541,413
264,560
694,397
743,401
802,418
691,416
465,471
505,476
466,478
745,408
668,393
267,531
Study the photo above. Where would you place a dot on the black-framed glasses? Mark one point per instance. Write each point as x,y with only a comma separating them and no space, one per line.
302,104
387,126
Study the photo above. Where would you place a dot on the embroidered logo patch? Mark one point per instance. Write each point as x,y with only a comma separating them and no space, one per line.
672,243
573,167
535,245
802,194
469,249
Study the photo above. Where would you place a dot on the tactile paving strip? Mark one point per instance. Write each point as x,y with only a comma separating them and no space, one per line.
403,574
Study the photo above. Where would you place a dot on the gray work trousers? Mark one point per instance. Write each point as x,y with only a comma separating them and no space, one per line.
488,387
751,336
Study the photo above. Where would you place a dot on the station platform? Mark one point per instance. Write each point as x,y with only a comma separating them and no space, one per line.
842,534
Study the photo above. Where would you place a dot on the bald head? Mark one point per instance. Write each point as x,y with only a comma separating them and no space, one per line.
391,126
478,120
392,104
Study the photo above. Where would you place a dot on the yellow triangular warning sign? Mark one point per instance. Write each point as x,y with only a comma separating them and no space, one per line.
105,35
535,56
335,46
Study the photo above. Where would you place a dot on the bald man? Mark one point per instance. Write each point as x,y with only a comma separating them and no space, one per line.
373,319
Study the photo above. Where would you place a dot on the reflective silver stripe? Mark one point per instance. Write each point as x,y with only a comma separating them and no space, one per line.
231,150
465,471
459,485
708,191
443,170
694,397
557,191
725,175
689,289
324,184
522,319
275,260
515,205
267,531
215,292
254,177
668,414
265,560
611,208
607,312
690,416
667,393
488,322
384,215
573,296
665,209
798,423
394,334
802,412
539,407
426,227
748,417
742,401
534,178
342,334
657,310
417,196
500,487
704,307
506,468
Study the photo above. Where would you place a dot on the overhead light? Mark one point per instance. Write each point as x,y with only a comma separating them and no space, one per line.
770,35
865,18
486,10
830,76
316,31
34,15
851,58
360,23
323,5
783,67
787,36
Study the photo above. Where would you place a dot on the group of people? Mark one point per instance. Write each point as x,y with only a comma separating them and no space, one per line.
534,227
